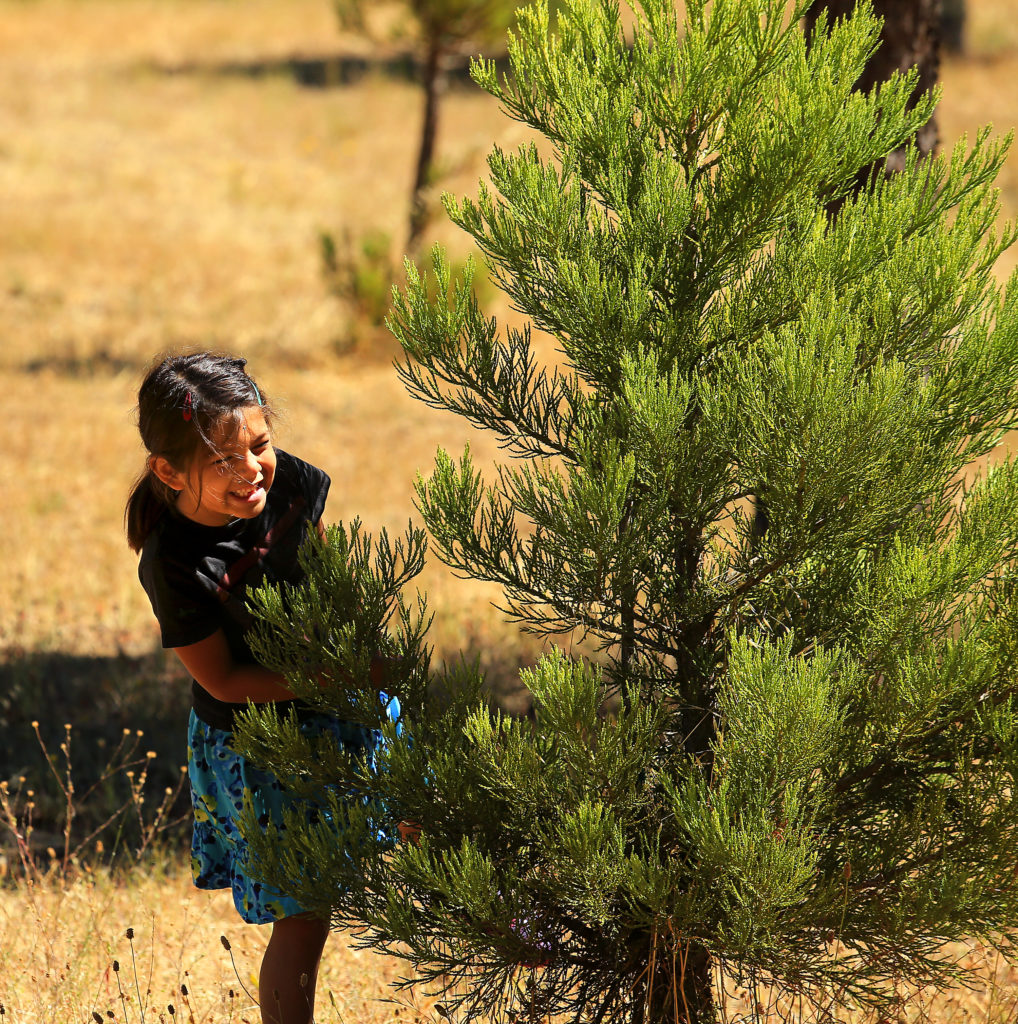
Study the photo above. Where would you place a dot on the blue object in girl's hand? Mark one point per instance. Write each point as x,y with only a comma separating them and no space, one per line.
393,711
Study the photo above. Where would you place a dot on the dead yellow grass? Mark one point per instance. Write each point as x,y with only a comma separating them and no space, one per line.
70,583
58,943
144,207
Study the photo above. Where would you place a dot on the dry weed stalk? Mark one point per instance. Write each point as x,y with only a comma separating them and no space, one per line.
18,809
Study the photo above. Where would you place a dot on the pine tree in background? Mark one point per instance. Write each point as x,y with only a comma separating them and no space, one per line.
438,30
810,774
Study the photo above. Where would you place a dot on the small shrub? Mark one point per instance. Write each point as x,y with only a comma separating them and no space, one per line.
361,273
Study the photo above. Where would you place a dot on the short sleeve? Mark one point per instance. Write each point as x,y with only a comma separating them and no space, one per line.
312,482
319,486
185,611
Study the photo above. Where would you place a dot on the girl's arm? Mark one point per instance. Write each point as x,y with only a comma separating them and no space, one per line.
211,662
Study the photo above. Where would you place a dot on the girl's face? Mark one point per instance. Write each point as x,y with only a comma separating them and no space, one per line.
231,483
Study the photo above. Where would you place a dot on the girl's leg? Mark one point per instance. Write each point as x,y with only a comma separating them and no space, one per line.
292,956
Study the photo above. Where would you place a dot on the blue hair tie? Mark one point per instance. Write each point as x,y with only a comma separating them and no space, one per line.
258,394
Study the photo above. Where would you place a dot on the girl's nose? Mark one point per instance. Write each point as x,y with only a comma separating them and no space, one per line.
252,467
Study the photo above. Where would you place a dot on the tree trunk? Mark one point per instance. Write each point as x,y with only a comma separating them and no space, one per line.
434,83
952,25
681,990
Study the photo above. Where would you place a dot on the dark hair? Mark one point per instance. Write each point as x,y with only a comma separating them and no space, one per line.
184,403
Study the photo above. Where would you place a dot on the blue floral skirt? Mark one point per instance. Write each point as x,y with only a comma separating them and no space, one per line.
221,780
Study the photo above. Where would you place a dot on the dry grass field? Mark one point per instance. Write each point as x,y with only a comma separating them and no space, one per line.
58,945
156,193
143,208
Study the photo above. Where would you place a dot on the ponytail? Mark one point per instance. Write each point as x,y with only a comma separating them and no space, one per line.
145,507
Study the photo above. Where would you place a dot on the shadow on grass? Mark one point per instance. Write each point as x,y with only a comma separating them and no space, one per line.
502,688
95,720
99,362
324,71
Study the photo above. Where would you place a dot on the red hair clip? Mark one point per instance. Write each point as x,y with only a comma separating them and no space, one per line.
187,408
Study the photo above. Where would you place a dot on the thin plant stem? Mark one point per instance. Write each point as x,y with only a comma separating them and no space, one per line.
226,945
120,988
134,971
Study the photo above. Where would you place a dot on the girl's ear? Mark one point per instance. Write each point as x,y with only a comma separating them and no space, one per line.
162,469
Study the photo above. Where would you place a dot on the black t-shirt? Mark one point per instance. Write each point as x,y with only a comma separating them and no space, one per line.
197,576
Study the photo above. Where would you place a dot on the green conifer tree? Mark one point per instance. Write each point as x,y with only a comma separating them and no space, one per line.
809,774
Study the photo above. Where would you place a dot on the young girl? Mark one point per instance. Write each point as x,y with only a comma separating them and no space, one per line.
218,510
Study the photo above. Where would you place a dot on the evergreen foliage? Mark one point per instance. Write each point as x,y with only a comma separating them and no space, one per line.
810,772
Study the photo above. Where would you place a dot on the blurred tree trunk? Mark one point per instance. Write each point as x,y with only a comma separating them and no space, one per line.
434,84
437,30
952,23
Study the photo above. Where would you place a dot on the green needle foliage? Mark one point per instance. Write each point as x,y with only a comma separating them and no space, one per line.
808,775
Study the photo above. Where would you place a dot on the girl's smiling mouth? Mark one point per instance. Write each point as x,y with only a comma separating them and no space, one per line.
251,494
